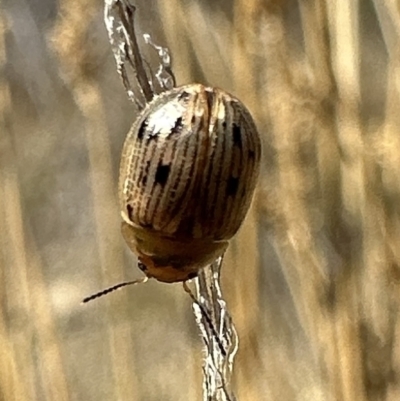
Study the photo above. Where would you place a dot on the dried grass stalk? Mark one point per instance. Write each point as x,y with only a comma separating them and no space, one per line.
212,317
24,286
75,55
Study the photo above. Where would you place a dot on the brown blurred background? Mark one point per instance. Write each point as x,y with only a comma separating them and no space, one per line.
312,279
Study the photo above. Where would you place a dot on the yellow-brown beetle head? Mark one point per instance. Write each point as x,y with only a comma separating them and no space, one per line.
168,259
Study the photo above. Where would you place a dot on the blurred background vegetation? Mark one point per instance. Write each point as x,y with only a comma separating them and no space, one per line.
312,279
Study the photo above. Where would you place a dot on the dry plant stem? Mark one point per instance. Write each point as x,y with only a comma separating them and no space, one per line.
345,62
73,24
23,284
319,324
218,334
347,305
119,19
384,319
15,383
217,330
34,301
26,291
88,99
300,257
247,42
52,373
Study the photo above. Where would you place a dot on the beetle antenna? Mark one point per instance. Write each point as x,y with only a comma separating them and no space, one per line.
113,288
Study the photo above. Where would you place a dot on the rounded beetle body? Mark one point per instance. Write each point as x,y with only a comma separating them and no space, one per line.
188,172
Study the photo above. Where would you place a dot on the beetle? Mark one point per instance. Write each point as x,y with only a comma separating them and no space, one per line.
188,171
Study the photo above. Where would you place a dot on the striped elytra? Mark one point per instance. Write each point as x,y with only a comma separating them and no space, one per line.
188,172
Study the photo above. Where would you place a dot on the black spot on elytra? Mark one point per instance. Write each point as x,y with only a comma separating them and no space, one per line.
129,210
232,186
252,154
224,124
184,96
142,129
237,135
162,174
178,126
